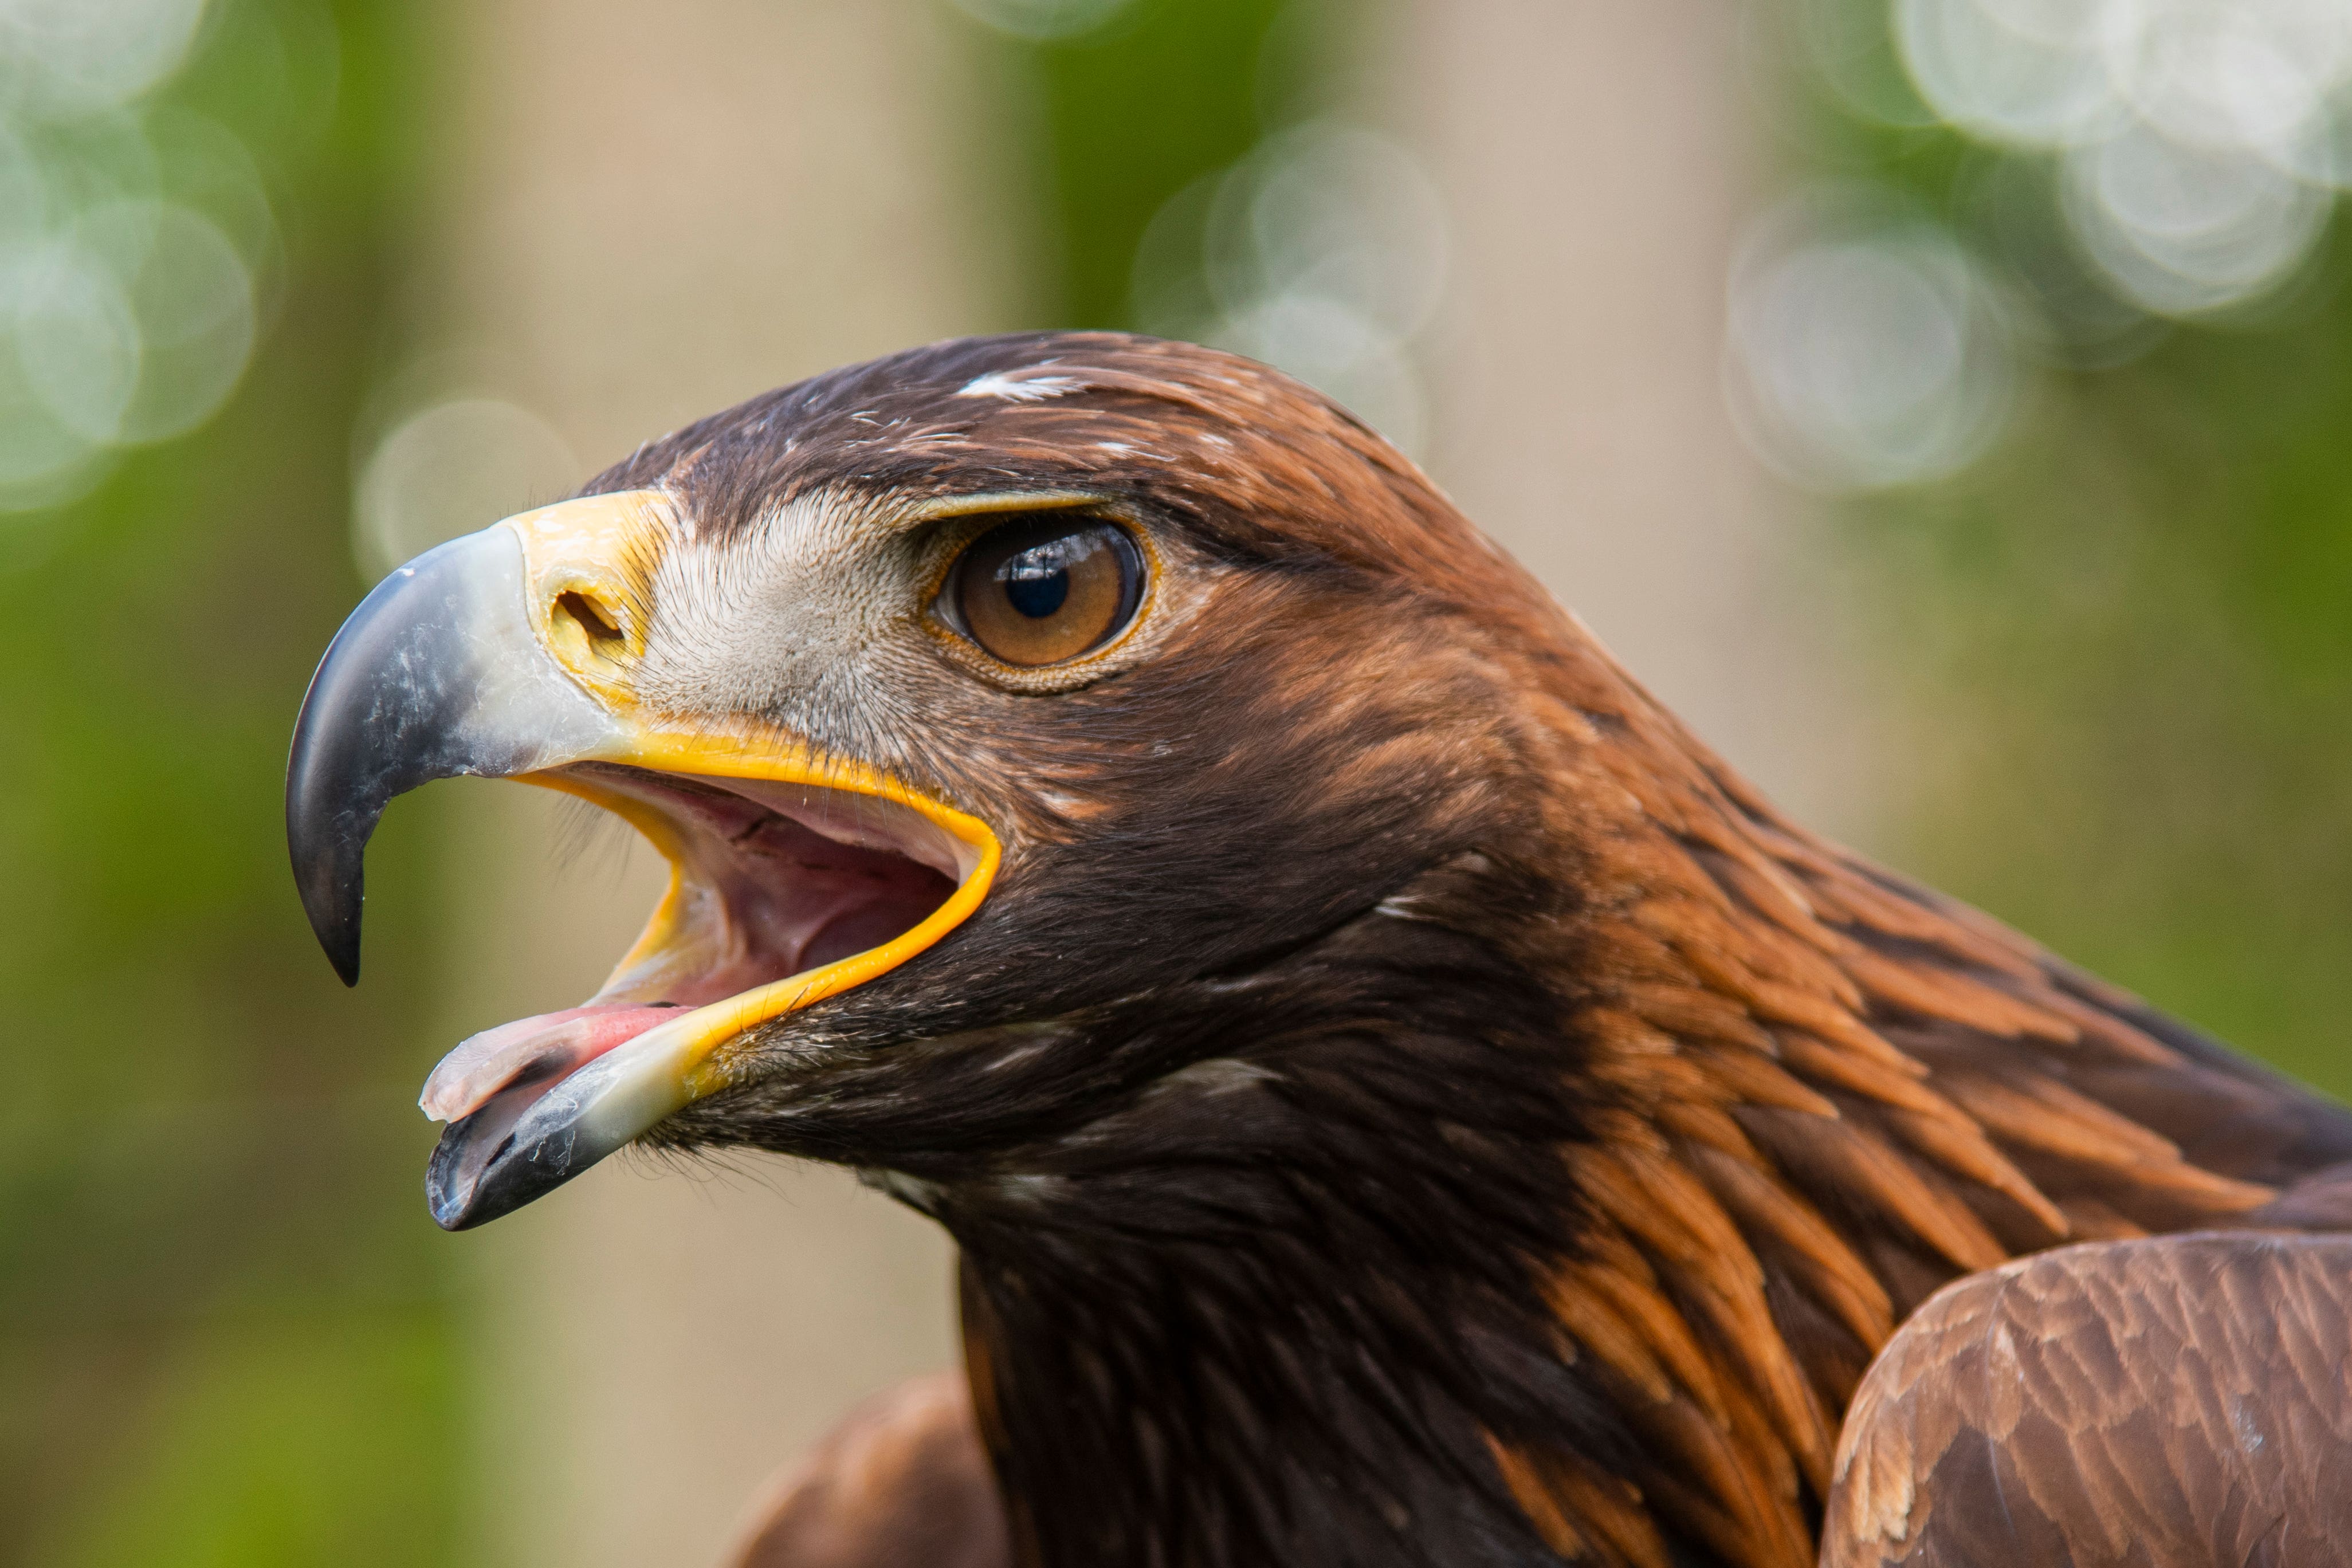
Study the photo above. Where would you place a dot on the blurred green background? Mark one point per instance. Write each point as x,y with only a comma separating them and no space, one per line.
2104,625
2124,623
222,1337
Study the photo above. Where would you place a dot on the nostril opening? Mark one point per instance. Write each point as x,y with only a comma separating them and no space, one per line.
590,616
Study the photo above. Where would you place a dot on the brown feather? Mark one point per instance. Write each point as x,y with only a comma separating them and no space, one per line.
1756,1079
2107,1029
1952,996
1963,1149
1837,1157
1869,1076
1539,1499
1582,1516
902,1481
1830,1270
2167,1401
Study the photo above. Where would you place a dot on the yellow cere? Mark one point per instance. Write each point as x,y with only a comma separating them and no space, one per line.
588,562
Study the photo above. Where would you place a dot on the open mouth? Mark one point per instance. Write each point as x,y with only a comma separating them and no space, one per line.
782,892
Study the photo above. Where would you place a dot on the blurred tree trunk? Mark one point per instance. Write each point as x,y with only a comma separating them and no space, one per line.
659,213
1596,158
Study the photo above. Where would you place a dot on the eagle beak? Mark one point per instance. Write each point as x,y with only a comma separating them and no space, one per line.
793,875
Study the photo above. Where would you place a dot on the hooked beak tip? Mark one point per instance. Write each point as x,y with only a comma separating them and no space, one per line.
331,907
327,864
340,939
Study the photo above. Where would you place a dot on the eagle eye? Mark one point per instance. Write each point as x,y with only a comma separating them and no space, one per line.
1042,590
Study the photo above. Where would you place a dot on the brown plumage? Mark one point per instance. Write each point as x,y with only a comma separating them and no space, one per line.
901,1483
2182,1401
1405,1100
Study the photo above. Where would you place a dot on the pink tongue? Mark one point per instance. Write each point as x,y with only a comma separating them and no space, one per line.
550,1045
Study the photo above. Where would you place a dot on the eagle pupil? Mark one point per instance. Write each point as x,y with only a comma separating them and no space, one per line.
1036,587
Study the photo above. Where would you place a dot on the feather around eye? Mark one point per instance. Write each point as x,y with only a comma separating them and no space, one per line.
1038,591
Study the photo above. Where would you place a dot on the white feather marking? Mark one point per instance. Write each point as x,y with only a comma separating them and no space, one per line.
913,1191
1020,386
1219,1075
1030,1190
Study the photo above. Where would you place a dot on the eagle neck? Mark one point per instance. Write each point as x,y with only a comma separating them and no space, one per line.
1284,1302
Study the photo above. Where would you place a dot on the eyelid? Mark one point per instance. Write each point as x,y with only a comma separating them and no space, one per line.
943,598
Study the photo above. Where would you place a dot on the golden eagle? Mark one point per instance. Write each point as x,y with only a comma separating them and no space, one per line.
1400,1098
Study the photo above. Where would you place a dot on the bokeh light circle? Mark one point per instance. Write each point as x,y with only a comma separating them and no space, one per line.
1336,214
128,309
38,449
1866,349
1347,356
2182,230
78,341
2201,140
87,54
2217,79
1324,254
137,323
2022,71
23,191
451,468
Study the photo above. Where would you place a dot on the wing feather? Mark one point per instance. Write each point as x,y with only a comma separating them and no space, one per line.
2173,1401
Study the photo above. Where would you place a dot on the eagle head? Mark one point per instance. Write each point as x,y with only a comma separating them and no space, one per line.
1039,728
